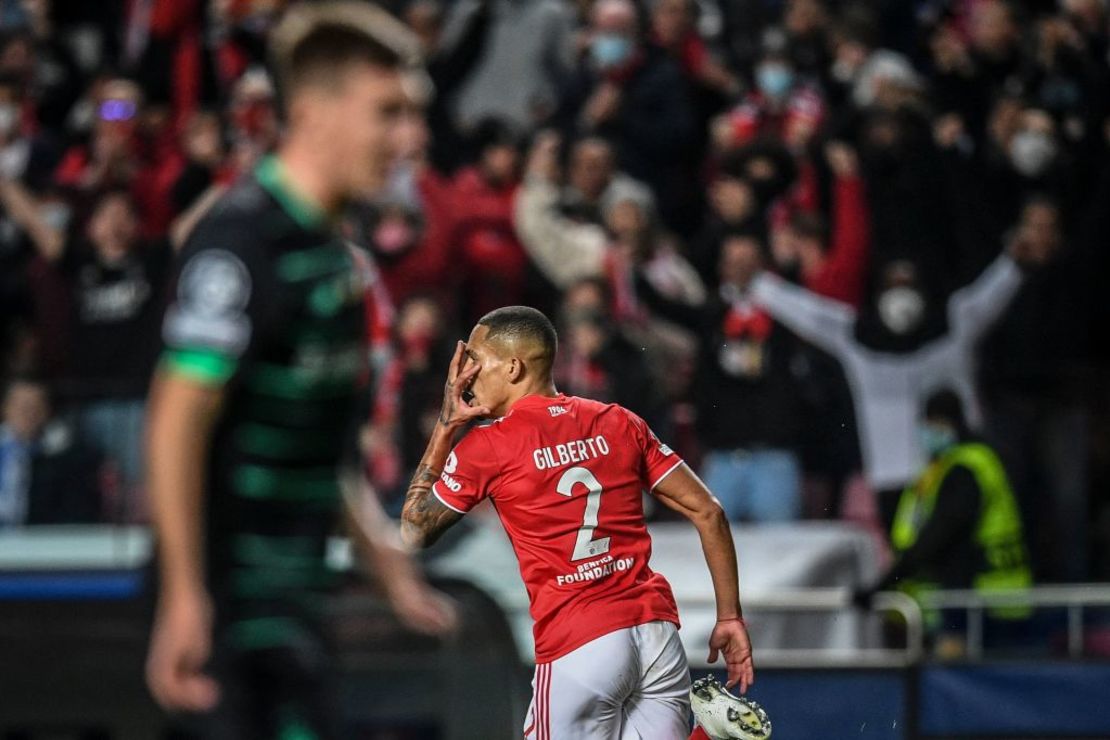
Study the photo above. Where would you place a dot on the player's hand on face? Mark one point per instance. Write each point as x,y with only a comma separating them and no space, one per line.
179,648
423,609
456,412
730,638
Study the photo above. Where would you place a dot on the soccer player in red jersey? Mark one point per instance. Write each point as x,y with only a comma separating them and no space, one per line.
566,477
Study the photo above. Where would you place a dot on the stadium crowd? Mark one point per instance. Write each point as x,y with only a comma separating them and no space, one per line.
770,227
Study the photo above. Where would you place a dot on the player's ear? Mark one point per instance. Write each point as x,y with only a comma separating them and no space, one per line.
516,370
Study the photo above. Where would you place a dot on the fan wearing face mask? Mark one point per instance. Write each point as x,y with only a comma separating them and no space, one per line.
902,314
629,91
898,349
781,105
957,525
901,308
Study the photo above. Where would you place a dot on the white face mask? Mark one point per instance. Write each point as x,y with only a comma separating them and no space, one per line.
901,309
9,118
1032,152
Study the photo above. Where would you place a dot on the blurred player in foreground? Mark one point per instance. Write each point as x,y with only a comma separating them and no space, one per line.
566,476
252,401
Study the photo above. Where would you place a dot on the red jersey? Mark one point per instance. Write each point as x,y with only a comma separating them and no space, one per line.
566,477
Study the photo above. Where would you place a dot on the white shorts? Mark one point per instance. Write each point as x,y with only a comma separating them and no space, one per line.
631,684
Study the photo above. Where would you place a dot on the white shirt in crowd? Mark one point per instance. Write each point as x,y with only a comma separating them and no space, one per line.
889,389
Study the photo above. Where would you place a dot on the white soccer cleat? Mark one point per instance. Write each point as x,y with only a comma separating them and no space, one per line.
727,717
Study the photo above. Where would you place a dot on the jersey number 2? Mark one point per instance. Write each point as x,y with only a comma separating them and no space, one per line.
585,546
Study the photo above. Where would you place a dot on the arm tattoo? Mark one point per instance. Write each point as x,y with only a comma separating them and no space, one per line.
424,518
447,410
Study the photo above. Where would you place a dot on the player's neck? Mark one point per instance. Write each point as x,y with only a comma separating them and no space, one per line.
545,389
308,176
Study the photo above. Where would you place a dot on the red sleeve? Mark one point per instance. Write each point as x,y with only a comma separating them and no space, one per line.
658,460
841,278
468,473
187,63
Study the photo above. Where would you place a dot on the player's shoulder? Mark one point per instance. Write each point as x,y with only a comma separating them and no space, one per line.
235,225
243,202
592,407
476,450
557,409
611,418
479,437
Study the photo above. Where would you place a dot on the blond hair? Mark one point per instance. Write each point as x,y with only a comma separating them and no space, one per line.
315,40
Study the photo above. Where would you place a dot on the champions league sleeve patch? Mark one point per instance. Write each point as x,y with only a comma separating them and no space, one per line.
210,311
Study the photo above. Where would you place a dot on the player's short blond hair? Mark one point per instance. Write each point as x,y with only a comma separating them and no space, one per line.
315,41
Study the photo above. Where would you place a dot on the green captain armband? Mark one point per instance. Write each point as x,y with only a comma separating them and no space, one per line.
203,365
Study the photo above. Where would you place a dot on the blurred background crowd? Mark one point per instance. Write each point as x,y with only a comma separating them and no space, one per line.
635,169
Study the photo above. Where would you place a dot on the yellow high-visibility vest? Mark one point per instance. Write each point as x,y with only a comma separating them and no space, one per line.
998,534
